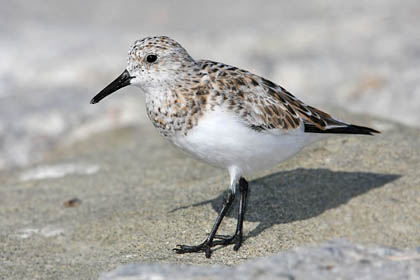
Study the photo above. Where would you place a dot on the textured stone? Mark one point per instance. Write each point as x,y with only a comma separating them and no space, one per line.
333,260
143,197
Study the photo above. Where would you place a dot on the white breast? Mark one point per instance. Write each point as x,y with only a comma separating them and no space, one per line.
225,141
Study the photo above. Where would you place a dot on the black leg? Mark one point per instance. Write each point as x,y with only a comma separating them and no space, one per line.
222,240
208,243
237,237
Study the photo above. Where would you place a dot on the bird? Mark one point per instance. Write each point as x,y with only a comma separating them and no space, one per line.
223,115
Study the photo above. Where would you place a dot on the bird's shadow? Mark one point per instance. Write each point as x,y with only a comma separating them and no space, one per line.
299,194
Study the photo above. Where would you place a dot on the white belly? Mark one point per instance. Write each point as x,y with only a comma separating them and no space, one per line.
223,140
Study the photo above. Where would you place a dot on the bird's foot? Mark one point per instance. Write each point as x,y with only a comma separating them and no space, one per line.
220,240
203,247
228,239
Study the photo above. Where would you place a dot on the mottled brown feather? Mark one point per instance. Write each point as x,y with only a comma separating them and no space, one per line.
266,104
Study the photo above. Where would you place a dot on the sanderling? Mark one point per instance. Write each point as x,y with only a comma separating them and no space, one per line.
223,115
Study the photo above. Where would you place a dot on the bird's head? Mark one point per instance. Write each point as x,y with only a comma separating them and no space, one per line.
153,62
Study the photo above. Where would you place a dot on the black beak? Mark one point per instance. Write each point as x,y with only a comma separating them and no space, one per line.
120,82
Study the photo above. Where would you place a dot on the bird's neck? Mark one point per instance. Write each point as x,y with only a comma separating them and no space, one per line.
172,108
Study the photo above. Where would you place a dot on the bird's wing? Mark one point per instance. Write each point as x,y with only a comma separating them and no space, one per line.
261,103
266,106
278,108
313,119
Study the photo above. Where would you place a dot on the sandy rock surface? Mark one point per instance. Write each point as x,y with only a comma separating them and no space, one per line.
128,196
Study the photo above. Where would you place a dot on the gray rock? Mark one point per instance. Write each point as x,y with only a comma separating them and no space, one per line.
333,260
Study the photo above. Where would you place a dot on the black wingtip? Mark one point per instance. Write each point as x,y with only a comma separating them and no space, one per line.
349,129
356,129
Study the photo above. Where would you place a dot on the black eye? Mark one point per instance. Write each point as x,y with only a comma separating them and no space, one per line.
151,58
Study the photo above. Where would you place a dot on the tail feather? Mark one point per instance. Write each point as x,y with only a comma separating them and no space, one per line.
348,129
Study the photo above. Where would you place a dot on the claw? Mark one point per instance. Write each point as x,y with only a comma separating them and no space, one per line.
238,243
208,252
203,247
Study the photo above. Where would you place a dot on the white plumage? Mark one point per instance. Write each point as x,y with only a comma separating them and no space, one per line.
224,140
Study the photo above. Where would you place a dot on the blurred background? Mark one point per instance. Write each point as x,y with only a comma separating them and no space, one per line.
359,56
